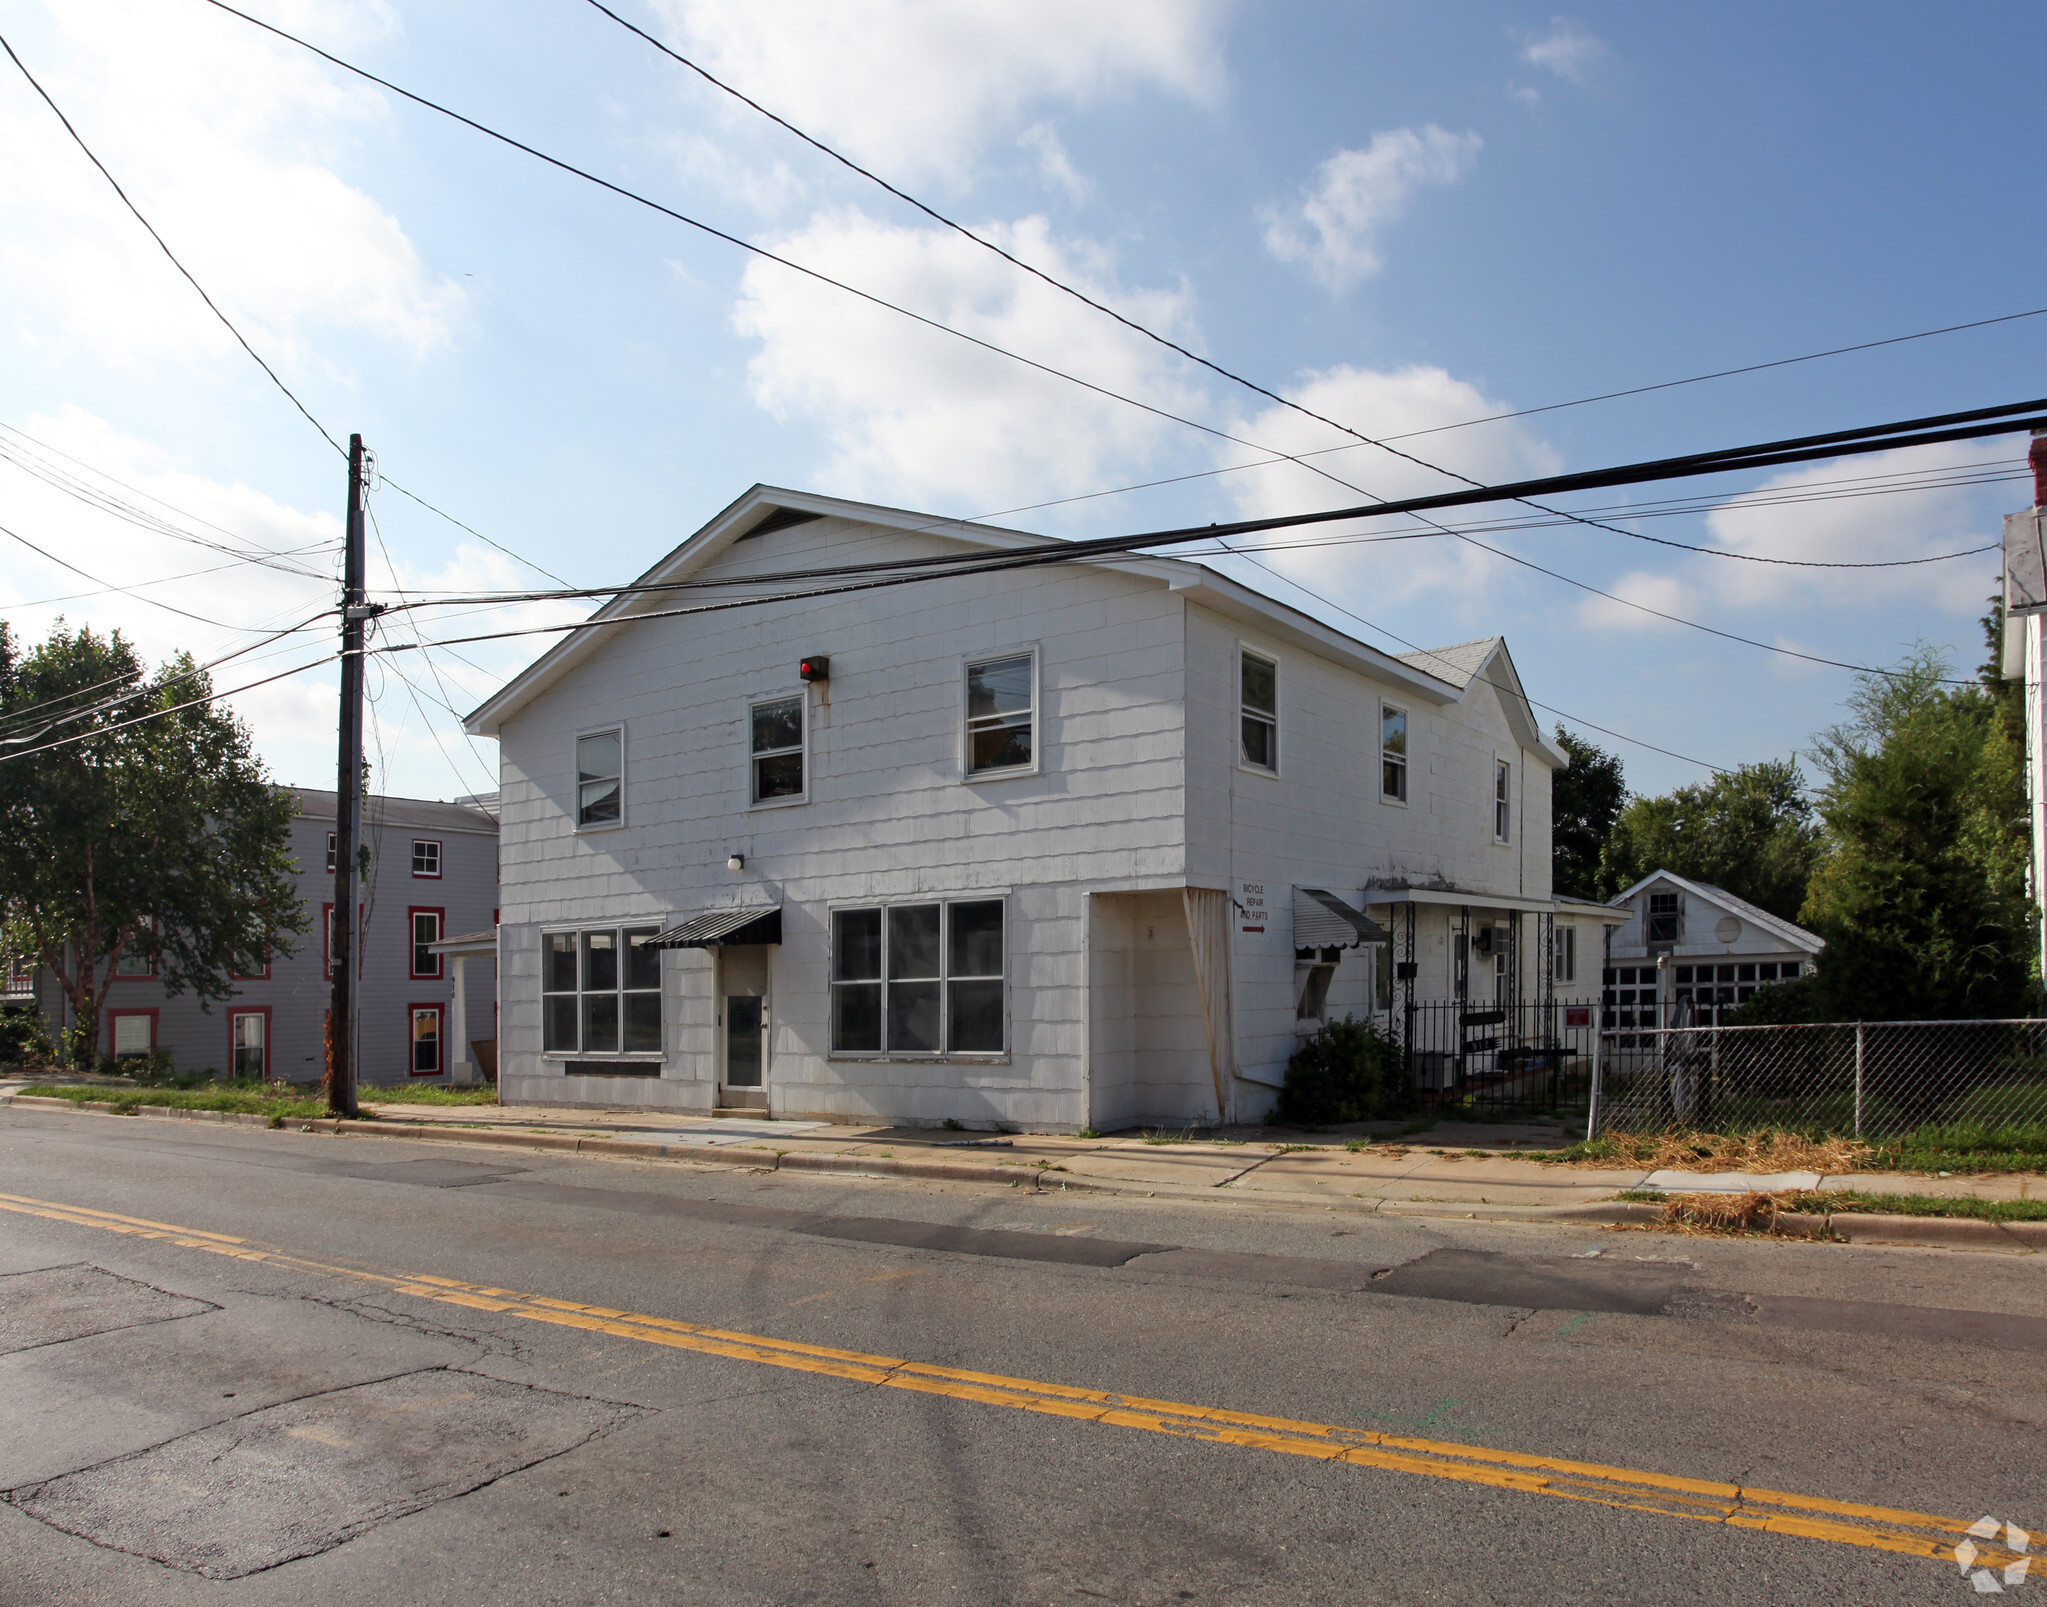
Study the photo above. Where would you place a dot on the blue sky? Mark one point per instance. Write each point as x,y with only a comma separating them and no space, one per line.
1407,215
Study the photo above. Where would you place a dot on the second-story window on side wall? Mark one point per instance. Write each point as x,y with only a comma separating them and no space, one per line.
426,931
1503,810
600,778
777,740
1258,692
1002,714
330,853
426,857
1392,753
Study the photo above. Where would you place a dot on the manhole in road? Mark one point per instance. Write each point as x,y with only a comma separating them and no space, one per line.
300,1478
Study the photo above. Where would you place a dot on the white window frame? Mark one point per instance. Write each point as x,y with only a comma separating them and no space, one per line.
801,698
1503,799
944,979
1566,954
576,772
1245,649
623,932
1405,760
1004,772
439,858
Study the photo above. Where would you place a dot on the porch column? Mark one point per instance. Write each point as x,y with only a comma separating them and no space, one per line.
459,1068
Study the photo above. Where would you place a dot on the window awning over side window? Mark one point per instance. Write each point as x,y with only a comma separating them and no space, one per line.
723,929
1324,921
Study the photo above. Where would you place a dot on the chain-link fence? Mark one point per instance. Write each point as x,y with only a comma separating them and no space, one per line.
1528,1057
1874,1079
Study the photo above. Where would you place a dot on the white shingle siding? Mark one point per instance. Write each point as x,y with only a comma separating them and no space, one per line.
1135,793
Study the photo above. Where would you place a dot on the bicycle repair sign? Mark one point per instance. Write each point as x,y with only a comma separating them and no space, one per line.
1251,910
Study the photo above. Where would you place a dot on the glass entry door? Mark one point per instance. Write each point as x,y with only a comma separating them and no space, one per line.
743,1006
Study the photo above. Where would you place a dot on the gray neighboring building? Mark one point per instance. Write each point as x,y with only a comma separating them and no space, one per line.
433,875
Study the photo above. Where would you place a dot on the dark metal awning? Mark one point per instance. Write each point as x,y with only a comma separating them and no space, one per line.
1324,921
722,929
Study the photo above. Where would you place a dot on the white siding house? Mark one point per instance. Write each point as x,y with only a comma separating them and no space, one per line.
1051,847
1686,942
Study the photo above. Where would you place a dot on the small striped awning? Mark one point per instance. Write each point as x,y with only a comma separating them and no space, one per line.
1324,921
722,929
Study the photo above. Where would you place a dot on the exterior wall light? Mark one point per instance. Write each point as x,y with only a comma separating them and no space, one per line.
736,862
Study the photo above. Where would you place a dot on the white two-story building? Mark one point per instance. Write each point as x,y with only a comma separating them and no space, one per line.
1054,847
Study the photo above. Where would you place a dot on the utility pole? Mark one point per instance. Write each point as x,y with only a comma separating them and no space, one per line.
348,787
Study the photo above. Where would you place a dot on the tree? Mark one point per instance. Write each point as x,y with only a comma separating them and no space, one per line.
1922,894
162,837
1749,831
1585,801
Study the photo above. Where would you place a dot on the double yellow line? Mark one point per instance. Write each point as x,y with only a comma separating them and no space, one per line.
1912,1534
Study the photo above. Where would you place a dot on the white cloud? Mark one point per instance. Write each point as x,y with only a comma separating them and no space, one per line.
1861,529
1666,593
1055,167
226,140
916,415
1380,405
920,86
1566,50
1334,227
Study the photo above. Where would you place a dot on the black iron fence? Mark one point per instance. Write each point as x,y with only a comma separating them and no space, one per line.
1533,1057
1872,1079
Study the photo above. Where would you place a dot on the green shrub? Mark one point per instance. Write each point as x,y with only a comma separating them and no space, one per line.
1350,1071
23,1042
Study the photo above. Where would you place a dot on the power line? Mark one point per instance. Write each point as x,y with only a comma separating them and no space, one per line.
1140,329
478,534
158,714
226,322
153,602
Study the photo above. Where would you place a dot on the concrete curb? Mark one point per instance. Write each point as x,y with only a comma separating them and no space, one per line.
1950,1232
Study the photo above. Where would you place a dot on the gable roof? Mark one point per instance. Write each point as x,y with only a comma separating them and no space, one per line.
1792,933
381,809
1487,659
766,507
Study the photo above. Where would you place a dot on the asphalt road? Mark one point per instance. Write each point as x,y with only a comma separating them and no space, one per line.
244,1367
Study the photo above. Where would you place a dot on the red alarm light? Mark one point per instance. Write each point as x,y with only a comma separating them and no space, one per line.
815,668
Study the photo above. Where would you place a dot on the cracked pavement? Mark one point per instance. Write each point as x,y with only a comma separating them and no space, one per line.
180,1425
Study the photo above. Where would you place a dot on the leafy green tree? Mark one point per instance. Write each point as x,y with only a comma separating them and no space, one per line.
1922,894
162,836
1749,831
1585,801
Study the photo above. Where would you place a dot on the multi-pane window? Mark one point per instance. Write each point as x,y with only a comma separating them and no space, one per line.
1001,714
136,960
918,979
1258,692
778,749
1567,954
1731,984
426,1040
426,931
601,992
426,857
1392,753
600,778
1666,918
1503,817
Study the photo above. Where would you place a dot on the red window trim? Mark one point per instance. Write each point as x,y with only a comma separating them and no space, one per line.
134,976
440,970
440,858
264,974
262,1010
150,1011
440,1010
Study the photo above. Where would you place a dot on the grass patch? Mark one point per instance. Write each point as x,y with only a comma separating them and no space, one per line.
1166,1135
429,1094
245,1098
1831,1200
1355,1145
1642,1196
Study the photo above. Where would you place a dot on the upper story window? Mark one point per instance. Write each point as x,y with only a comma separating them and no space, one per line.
426,931
332,851
778,750
1665,918
426,857
1002,714
1503,816
1392,753
600,778
1258,690
918,979
136,960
